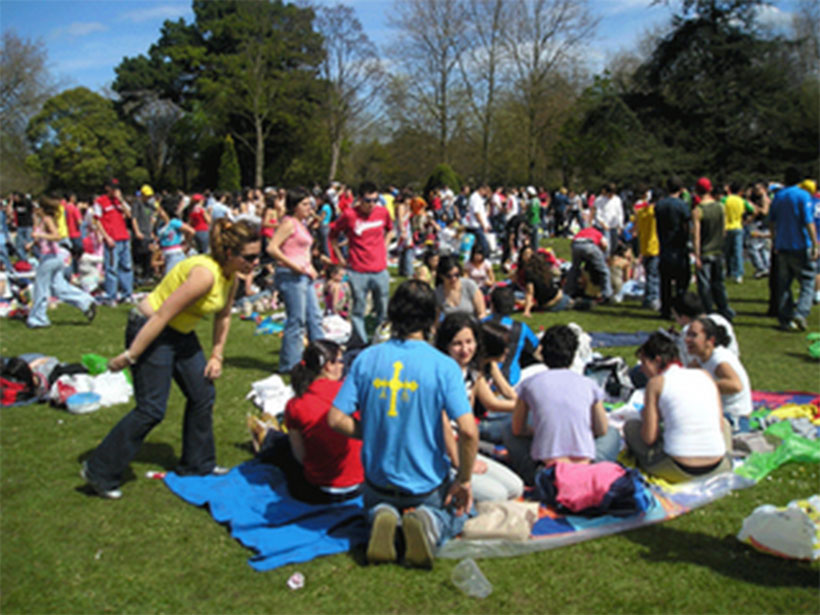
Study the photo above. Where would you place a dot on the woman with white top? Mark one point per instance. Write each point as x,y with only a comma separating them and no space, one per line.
707,343
695,436
290,246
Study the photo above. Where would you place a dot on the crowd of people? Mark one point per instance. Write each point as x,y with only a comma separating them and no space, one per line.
402,425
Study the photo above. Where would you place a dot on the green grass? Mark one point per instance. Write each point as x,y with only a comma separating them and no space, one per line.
65,552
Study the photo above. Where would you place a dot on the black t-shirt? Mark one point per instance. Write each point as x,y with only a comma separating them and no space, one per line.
544,290
673,216
23,212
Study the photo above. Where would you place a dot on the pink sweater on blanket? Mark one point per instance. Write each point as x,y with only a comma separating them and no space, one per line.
584,485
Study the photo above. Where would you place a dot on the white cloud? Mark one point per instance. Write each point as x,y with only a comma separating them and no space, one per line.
772,17
156,13
78,29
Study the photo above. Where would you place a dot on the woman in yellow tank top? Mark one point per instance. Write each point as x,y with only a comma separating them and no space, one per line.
161,345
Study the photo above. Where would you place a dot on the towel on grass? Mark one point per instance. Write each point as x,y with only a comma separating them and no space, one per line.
253,500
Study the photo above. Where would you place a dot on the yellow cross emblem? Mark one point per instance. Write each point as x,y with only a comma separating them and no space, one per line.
395,385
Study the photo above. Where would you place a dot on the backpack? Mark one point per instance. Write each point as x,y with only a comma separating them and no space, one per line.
612,375
16,381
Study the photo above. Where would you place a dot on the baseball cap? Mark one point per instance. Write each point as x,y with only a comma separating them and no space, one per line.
704,184
147,190
809,185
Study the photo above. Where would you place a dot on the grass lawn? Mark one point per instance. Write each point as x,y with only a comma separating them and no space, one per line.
65,552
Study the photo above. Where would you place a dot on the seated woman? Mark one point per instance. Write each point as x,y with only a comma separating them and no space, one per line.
568,423
695,436
707,343
426,271
479,270
459,337
455,293
541,288
320,465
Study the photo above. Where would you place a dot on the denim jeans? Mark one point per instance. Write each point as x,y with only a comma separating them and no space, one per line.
759,253
734,253
406,262
4,258
22,238
202,239
362,283
172,257
172,355
118,273
712,287
302,313
481,238
651,265
791,265
586,252
50,281
607,448
675,274
447,523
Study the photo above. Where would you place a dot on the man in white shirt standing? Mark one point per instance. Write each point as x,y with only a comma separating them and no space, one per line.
609,214
475,221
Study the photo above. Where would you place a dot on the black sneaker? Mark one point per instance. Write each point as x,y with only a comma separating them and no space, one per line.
91,312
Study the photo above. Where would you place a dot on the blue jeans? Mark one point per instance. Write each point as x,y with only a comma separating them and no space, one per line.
759,253
651,265
51,281
406,262
712,287
791,265
172,257
481,238
23,237
202,239
4,258
172,355
447,523
589,253
301,311
734,253
360,285
118,271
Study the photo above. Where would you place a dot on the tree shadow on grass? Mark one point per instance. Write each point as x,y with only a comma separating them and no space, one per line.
727,556
250,363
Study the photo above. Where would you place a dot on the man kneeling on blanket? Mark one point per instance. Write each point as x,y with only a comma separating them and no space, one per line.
400,387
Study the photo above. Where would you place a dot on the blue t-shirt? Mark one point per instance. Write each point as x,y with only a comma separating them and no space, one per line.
401,387
4,229
815,205
170,235
527,339
326,212
790,212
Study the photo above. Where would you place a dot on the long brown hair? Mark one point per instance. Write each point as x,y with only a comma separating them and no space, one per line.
231,236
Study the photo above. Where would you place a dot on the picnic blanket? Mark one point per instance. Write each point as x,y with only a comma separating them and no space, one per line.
603,339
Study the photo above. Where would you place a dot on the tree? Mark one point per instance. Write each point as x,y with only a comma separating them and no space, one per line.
78,142
430,40
352,71
261,68
543,38
25,84
482,65
229,175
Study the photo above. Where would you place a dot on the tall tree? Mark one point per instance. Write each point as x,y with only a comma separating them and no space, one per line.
229,175
482,65
430,40
352,71
543,38
262,63
25,84
78,142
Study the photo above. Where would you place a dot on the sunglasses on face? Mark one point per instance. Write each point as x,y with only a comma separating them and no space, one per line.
370,199
251,258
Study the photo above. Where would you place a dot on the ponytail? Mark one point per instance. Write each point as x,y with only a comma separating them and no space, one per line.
716,331
314,358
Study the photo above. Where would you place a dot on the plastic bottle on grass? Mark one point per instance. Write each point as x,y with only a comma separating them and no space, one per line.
467,576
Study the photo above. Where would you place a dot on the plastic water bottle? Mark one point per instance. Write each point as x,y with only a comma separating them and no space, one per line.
467,576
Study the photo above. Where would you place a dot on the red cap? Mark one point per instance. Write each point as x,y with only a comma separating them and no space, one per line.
197,197
704,185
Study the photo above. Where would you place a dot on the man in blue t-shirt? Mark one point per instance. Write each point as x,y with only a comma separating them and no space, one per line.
672,216
794,238
400,388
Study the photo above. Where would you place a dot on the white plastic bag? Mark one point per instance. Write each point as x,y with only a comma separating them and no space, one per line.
792,532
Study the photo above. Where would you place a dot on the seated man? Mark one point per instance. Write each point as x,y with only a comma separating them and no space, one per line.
400,387
695,436
522,342
569,422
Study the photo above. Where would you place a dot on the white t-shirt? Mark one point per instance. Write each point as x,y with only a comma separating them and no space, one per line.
610,211
476,215
688,405
734,404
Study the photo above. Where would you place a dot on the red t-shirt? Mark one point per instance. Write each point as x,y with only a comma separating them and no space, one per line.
331,459
197,219
73,219
345,201
590,233
109,212
365,236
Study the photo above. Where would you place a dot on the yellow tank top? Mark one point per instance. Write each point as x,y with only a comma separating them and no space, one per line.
733,209
62,225
213,301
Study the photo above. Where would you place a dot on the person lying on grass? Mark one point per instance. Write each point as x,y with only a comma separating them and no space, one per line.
695,436
569,422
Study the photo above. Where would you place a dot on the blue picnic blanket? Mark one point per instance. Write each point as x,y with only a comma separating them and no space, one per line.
603,339
253,500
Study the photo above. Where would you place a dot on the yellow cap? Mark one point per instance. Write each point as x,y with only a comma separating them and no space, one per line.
809,185
147,190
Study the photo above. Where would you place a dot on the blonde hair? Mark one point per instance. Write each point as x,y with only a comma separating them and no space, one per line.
231,236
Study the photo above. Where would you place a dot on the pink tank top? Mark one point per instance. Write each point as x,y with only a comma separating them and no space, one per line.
46,246
297,246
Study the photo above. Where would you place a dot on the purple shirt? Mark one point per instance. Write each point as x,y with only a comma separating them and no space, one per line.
560,403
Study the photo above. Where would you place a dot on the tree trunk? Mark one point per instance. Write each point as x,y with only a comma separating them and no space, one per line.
260,153
335,153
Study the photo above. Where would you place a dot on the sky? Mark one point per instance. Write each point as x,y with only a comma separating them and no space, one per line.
86,39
